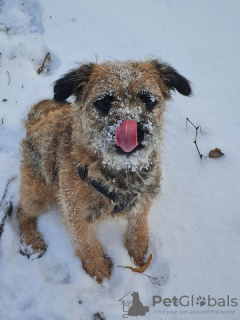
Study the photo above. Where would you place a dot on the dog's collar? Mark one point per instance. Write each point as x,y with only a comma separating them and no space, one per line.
99,186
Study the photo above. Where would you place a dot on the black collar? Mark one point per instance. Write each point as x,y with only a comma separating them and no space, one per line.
100,187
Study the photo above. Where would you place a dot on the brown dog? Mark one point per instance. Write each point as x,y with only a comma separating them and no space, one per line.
98,157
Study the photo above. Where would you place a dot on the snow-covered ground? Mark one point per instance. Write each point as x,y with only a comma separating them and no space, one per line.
194,224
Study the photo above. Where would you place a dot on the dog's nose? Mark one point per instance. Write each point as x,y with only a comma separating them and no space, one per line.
140,132
127,135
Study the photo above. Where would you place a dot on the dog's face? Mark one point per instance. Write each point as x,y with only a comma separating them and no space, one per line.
119,107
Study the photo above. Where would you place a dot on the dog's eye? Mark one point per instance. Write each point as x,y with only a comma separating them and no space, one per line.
148,99
104,103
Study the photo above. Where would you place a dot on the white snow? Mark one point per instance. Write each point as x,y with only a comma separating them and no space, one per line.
195,222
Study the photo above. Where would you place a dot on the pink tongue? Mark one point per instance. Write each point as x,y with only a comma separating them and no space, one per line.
126,136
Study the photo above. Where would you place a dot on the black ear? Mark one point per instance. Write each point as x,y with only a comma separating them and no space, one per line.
172,79
72,83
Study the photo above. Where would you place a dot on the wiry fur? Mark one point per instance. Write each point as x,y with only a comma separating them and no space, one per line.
62,135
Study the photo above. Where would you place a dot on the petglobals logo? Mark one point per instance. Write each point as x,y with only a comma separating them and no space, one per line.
192,301
132,306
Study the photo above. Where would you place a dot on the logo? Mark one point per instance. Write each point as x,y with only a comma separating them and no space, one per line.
192,301
132,305
201,301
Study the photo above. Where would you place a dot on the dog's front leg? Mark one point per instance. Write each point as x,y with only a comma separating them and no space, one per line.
88,248
136,240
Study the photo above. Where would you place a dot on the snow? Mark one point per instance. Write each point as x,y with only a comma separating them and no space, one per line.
194,224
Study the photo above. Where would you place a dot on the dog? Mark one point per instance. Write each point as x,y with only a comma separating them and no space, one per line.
98,157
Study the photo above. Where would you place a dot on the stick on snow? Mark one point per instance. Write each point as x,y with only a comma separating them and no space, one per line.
46,60
6,206
195,141
9,78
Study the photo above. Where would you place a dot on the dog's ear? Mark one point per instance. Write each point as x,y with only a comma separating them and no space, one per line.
72,83
172,79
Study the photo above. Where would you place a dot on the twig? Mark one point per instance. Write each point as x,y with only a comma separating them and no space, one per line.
7,213
43,66
9,78
6,189
5,207
195,141
155,280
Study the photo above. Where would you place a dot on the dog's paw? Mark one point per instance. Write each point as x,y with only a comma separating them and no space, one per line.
138,255
35,250
98,268
137,249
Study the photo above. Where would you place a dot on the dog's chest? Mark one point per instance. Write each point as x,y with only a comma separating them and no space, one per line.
130,186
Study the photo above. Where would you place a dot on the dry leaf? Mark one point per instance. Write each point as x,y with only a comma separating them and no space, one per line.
216,153
155,280
143,268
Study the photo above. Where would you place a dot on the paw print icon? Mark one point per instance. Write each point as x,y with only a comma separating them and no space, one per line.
201,301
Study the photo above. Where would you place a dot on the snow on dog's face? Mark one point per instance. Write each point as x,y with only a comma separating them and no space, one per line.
119,106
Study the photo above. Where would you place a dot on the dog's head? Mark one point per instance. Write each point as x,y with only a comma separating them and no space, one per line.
119,106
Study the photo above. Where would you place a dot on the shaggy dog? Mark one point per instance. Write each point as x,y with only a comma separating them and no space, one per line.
97,157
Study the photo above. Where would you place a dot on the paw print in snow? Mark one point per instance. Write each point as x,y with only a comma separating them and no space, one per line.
201,301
